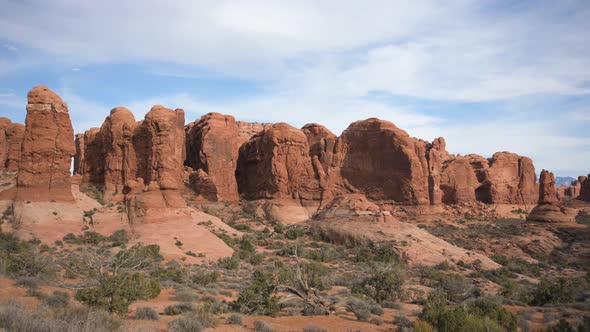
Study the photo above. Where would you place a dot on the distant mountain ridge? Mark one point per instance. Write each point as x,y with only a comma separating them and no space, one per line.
563,180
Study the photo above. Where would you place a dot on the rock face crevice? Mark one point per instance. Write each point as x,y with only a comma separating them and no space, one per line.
11,137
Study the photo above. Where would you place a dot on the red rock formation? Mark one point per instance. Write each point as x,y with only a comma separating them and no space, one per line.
458,181
47,149
547,188
11,137
573,191
382,161
212,145
509,179
117,153
436,155
275,163
159,171
548,209
321,143
584,188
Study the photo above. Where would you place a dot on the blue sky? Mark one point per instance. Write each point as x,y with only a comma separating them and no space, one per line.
486,75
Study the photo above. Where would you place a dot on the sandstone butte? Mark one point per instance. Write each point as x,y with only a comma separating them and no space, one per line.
148,163
549,209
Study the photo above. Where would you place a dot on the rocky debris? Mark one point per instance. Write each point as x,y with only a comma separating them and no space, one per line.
11,137
275,164
549,209
47,149
212,146
248,129
378,159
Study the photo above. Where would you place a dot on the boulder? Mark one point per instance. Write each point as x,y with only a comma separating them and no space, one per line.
47,149
212,145
275,164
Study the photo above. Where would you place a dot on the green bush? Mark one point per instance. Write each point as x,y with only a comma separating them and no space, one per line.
555,291
385,284
359,308
186,324
480,315
116,292
24,259
57,300
178,309
146,313
260,297
234,320
119,238
229,263
204,277
262,326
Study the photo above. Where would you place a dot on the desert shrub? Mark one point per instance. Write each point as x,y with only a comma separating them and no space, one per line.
185,295
116,292
146,313
28,282
479,315
457,287
92,238
312,328
234,319
518,265
360,309
376,321
15,317
204,277
229,263
403,323
321,255
294,232
172,272
180,308
260,297
555,291
384,253
421,326
256,259
262,326
385,284
186,324
23,259
57,300
119,238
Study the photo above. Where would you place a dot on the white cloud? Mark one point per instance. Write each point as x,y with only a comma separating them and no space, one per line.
463,50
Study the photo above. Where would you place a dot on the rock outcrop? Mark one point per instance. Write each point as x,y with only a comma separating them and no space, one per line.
212,146
11,137
458,181
378,159
584,188
116,150
321,143
509,179
573,191
47,149
275,163
548,208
